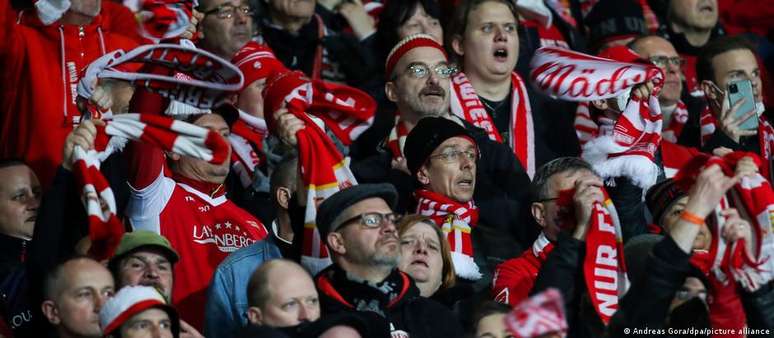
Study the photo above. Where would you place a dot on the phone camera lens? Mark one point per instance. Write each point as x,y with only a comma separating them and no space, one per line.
732,88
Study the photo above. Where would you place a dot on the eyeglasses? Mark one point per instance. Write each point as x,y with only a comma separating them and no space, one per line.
454,156
373,220
419,70
664,61
686,295
227,11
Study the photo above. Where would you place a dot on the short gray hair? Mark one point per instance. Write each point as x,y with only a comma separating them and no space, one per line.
539,186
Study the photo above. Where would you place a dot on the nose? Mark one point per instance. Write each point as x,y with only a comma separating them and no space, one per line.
500,34
240,16
99,300
466,163
151,271
33,202
156,331
421,247
303,313
388,226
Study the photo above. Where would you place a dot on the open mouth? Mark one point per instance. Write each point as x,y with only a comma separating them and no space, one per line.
465,183
32,219
420,262
500,54
707,8
433,92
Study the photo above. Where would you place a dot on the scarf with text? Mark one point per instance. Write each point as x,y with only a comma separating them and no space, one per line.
540,315
626,146
105,229
456,221
207,82
466,104
343,110
604,269
754,199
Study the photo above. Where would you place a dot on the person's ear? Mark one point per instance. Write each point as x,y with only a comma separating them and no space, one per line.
391,91
538,211
50,311
599,104
335,242
254,315
283,196
422,175
456,44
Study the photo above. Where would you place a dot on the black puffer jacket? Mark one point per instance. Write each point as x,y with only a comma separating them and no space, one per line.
400,307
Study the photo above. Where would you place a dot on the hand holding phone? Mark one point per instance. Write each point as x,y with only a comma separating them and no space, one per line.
741,91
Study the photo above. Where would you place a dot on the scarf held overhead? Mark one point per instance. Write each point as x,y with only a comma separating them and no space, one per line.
754,199
466,104
456,221
346,112
209,79
626,146
105,229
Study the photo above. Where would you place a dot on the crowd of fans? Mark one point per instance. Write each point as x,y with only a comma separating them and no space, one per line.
393,168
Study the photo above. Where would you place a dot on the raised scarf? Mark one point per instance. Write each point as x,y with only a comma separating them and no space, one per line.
456,221
604,269
754,199
537,316
246,139
105,229
626,146
207,83
165,19
466,104
343,110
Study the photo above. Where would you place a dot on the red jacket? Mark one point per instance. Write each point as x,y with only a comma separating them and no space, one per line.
37,91
514,278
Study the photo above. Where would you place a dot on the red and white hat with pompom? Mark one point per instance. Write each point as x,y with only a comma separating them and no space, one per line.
408,43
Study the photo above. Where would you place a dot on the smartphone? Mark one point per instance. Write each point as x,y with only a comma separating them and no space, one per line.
737,91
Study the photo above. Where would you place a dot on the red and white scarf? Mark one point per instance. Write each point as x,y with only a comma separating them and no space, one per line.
604,269
208,82
456,221
346,112
466,104
164,19
765,132
626,146
246,138
397,138
754,199
105,229
540,315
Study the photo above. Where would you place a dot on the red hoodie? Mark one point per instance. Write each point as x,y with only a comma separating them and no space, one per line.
41,67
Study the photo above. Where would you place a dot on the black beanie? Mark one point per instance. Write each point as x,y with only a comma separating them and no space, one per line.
426,136
661,196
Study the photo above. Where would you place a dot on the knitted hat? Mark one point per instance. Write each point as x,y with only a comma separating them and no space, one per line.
426,136
334,205
615,19
660,198
408,43
135,240
257,62
131,300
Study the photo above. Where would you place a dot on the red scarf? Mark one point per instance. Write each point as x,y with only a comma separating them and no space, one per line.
604,269
540,315
105,229
208,79
626,146
466,104
164,19
754,199
765,134
346,112
456,221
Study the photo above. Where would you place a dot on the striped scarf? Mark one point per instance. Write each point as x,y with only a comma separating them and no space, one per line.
397,138
456,221
343,110
466,104
626,146
105,229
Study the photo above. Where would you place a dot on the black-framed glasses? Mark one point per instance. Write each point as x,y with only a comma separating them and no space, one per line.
454,156
420,70
664,61
227,11
372,220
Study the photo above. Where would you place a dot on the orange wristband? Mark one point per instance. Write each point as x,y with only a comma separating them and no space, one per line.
691,217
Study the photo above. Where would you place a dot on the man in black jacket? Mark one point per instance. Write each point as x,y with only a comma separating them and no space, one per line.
358,226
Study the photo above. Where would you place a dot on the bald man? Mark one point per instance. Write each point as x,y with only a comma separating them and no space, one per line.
661,53
280,294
